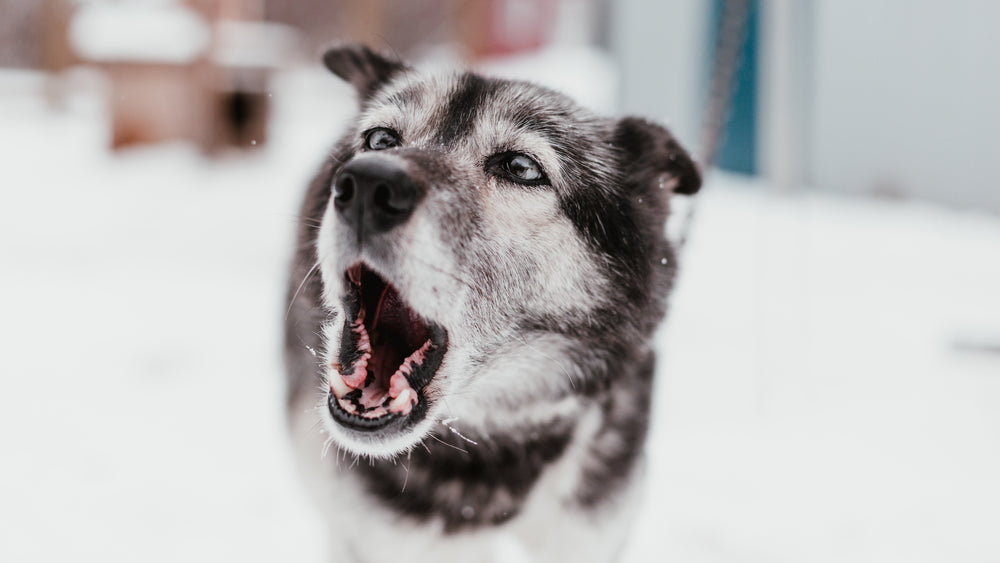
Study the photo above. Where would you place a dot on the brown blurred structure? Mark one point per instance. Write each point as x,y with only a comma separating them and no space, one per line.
55,52
195,70
20,23
153,102
478,28
214,94
403,26
206,79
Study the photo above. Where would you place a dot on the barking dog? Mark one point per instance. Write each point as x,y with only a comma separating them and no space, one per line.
480,266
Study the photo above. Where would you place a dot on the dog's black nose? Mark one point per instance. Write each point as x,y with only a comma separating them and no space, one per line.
374,194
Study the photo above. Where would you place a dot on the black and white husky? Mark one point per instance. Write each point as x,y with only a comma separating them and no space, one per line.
480,266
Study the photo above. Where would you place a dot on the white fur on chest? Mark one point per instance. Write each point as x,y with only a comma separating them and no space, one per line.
549,526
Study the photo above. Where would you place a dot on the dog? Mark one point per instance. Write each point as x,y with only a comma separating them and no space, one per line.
479,269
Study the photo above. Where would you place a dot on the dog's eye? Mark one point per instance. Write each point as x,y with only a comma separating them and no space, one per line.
381,138
519,168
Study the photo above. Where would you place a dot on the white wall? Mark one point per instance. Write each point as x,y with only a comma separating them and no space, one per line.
785,87
661,49
897,97
906,99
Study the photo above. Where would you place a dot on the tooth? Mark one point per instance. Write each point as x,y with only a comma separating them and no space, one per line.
397,384
348,406
338,385
401,402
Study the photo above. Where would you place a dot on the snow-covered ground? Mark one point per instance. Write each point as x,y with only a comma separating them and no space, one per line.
824,391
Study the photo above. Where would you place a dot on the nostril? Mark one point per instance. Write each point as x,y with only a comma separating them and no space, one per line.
382,198
344,192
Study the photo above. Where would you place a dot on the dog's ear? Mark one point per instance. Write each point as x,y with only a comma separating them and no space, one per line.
365,69
653,155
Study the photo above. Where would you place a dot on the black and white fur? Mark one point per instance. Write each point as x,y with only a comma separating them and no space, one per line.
524,443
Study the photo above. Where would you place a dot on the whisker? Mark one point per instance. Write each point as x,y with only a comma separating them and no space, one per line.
425,446
326,447
315,425
406,468
447,421
440,270
447,444
298,289
297,218
565,372
457,433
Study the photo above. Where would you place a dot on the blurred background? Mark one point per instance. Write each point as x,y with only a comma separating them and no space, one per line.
829,384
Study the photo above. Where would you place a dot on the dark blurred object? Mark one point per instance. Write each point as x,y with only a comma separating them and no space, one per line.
244,55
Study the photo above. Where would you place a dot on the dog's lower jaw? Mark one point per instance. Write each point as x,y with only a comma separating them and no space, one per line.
388,448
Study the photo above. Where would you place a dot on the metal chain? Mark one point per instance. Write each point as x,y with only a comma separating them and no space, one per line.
728,59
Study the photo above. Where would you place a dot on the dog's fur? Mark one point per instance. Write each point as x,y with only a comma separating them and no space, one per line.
520,433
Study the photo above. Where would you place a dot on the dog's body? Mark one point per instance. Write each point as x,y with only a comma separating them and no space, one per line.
479,270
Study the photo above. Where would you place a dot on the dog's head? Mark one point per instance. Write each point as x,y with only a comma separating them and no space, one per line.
485,245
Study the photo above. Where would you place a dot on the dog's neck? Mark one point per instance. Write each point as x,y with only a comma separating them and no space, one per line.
470,479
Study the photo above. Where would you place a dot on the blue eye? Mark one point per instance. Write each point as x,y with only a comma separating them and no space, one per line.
519,168
381,138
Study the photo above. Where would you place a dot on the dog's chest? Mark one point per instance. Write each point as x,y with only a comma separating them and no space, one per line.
548,525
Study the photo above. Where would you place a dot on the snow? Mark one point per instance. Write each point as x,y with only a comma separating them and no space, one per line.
814,404
818,398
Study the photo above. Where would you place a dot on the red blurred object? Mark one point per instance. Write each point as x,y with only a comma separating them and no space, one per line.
502,27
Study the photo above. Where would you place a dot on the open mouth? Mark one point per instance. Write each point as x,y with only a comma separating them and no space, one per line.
388,354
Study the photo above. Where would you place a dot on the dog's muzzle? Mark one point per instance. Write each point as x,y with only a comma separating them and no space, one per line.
388,355
373,194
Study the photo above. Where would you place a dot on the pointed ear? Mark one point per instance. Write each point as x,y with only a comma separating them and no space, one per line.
653,152
365,69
